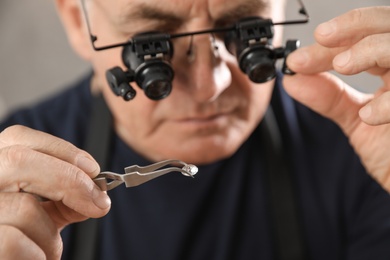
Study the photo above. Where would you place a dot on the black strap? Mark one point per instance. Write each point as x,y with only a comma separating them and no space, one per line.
86,234
283,205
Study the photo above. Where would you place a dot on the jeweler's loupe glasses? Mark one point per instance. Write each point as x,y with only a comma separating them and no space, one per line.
147,56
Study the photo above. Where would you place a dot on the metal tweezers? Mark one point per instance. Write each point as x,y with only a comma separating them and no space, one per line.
136,175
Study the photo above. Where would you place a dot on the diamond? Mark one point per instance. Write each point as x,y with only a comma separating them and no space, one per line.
190,169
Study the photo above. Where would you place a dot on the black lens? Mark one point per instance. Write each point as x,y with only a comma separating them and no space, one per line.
158,89
155,78
261,72
258,64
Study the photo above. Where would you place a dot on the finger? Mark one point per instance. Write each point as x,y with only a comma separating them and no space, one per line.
51,145
14,244
378,71
22,168
368,53
24,212
312,59
61,215
353,26
329,96
377,111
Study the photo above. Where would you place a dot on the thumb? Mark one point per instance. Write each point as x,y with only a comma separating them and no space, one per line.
329,96
377,111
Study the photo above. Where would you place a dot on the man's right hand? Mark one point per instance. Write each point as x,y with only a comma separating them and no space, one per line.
35,163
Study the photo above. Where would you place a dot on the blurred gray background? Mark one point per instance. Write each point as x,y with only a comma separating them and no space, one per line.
36,60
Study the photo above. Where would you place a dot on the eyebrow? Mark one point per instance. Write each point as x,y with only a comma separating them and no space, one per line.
170,19
248,8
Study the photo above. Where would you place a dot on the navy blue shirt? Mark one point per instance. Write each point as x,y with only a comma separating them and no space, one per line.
222,213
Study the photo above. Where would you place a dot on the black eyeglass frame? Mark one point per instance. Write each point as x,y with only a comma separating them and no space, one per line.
167,36
147,55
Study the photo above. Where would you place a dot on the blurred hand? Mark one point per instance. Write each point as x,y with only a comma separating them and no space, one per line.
35,163
358,41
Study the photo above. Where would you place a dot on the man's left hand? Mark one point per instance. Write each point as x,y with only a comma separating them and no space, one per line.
358,41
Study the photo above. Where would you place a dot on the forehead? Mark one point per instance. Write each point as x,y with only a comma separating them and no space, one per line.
185,9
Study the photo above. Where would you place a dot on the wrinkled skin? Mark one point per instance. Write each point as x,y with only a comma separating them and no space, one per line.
44,165
355,42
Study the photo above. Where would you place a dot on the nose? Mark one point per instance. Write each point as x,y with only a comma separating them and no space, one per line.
203,73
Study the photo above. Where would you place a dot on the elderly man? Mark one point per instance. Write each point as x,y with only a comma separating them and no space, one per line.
279,177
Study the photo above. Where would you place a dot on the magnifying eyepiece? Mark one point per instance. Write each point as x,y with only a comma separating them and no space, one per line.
155,78
258,63
147,58
251,42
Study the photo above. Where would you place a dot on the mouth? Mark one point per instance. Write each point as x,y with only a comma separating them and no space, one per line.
214,121
200,119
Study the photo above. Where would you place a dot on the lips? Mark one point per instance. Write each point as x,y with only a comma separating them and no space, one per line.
205,124
215,115
204,118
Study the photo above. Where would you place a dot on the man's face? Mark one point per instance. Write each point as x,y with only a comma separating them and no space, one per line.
213,106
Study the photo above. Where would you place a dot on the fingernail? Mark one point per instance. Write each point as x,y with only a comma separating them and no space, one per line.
100,198
343,58
326,29
299,57
86,164
365,112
